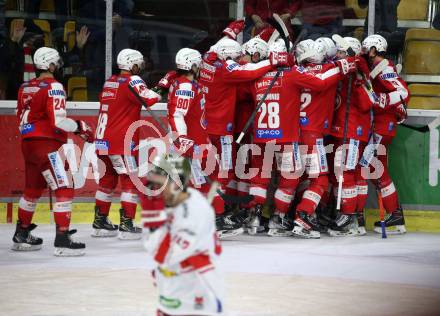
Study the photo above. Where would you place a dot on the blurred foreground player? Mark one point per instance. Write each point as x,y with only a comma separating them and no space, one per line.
43,124
119,108
185,247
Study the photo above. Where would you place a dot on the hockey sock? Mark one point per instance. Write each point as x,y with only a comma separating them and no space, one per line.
62,212
231,188
283,197
103,201
26,211
129,203
259,192
243,190
349,199
362,195
389,197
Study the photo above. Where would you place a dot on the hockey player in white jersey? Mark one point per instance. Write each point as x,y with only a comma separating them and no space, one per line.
185,247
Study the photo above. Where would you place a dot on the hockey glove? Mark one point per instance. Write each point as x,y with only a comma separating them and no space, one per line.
167,80
210,57
185,145
346,65
234,28
85,131
401,113
266,33
281,59
382,100
153,213
362,66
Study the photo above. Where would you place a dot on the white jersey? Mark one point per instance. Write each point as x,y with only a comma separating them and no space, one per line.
186,250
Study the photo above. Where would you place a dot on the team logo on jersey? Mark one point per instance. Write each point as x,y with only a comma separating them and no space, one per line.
31,89
26,128
388,76
53,93
264,133
185,93
206,75
304,121
359,131
101,144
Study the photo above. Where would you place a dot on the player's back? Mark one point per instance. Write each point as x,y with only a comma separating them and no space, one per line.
118,110
37,102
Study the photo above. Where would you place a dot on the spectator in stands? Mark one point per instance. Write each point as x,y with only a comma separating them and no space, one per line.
259,11
2,18
94,49
385,24
322,17
60,7
25,38
436,21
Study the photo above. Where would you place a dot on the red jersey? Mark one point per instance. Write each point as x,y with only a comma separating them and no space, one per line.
278,116
317,105
119,108
219,81
387,83
40,104
359,116
186,110
245,105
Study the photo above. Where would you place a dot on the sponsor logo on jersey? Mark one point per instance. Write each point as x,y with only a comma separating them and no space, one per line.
26,128
31,89
111,84
390,126
264,83
104,107
300,69
315,68
388,76
122,79
272,74
206,75
209,67
53,93
218,64
263,133
43,84
229,127
359,131
185,93
136,82
102,144
198,302
231,67
108,94
172,303
270,96
326,123
303,121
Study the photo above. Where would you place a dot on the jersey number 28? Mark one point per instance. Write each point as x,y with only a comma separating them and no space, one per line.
272,110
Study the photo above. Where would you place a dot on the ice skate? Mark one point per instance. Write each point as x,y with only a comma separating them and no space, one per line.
23,239
306,226
344,225
394,223
361,224
227,227
102,226
66,247
127,230
253,225
280,226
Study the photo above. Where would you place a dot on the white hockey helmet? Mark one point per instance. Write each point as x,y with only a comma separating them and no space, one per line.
304,50
228,48
353,43
186,58
45,56
127,58
329,45
256,45
375,40
279,46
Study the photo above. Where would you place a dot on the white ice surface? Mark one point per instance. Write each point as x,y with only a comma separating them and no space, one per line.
263,274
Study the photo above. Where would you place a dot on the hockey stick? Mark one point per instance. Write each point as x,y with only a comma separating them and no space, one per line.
421,129
281,28
229,199
51,206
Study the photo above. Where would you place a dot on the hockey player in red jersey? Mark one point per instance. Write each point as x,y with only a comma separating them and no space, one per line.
119,108
219,76
315,121
393,94
277,123
358,129
44,126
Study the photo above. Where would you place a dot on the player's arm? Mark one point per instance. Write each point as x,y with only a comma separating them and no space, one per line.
56,105
396,88
149,97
